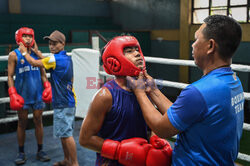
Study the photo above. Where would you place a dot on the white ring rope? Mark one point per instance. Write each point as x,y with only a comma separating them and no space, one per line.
237,67
5,78
5,57
4,100
179,85
30,116
244,157
246,126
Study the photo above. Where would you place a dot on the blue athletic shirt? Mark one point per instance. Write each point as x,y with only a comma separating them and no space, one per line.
28,81
123,121
61,68
210,115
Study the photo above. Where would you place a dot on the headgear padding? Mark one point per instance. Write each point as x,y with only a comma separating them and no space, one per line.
114,60
26,31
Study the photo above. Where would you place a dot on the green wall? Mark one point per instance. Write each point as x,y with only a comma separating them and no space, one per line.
146,15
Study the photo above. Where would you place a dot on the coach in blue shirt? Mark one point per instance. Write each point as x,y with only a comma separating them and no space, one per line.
208,115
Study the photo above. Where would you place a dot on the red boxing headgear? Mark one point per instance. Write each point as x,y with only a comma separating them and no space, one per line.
27,31
114,60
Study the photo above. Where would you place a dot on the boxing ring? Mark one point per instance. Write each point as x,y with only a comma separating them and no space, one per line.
165,61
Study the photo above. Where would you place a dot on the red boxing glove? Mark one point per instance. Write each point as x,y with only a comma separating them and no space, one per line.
16,101
47,93
160,154
130,152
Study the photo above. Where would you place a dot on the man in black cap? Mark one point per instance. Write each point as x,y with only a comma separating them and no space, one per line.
63,101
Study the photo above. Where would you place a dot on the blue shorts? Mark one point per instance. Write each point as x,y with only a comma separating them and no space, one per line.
64,119
36,106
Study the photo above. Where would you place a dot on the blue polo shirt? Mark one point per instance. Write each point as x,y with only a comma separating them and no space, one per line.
210,115
61,68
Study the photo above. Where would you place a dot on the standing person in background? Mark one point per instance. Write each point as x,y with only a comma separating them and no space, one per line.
26,92
208,115
63,102
114,126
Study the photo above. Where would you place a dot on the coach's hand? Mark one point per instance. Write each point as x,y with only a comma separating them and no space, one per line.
138,85
150,82
35,48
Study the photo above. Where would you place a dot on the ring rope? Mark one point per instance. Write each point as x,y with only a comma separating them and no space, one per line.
244,157
237,67
4,100
5,57
5,78
30,116
183,85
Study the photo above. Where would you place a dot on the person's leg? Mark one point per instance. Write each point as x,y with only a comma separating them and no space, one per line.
22,124
63,128
38,122
66,160
70,148
37,119
57,126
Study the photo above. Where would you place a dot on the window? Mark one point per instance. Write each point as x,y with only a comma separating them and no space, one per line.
238,9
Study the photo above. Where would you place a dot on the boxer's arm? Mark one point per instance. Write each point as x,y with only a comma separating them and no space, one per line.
92,123
11,68
43,75
16,101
